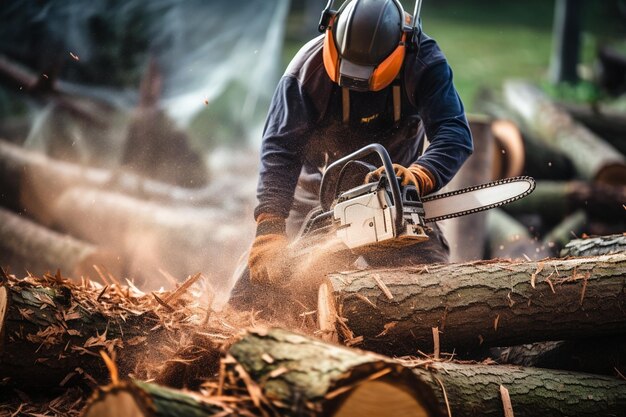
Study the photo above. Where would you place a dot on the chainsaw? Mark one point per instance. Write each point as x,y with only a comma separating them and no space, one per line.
380,214
355,218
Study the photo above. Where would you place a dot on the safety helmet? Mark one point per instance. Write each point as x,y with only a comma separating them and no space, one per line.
365,43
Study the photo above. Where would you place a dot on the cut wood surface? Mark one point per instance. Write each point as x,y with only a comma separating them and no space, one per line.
302,374
594,246
52,331
594,158
142,399
489,303
27,246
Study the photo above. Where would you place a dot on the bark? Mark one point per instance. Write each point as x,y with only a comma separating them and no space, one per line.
601,245
493,303
143,399
602,356
26,246
51,332
593,158
180,240
294,370
474,390
466,235
555,199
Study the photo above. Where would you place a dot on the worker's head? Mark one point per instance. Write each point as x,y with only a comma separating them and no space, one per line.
364,45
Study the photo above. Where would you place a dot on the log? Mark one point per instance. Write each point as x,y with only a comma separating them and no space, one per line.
556,199
601,245
604,122
51,332
26,246
593,157
560,235
31,181
296,373
137,398
180,240
601,356
508,238
540,161
492,303
305,376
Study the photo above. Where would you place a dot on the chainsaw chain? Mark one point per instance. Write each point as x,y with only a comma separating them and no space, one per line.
529,180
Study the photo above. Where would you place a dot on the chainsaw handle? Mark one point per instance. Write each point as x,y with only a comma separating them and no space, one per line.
391,175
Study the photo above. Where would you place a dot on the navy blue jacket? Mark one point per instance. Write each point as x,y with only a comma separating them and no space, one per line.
304,131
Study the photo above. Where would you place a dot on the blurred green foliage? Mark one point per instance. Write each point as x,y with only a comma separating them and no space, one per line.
487,42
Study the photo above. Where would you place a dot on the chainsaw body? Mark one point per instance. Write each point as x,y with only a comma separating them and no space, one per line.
366,216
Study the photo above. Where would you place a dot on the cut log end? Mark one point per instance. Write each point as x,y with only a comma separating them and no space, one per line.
118,403
612,174
378,398
326,314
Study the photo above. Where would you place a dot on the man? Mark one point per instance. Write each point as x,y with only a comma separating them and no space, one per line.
371,78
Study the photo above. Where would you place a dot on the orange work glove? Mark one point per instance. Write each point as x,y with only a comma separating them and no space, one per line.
266,259
415,174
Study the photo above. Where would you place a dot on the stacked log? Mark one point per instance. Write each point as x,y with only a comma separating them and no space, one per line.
489,303
290,374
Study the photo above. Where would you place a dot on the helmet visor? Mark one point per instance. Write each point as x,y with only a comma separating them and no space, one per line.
355,77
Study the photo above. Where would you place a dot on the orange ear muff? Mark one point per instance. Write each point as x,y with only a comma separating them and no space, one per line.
387,70
330,55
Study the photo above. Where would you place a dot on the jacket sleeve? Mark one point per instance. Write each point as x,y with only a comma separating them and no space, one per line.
284,138
447,128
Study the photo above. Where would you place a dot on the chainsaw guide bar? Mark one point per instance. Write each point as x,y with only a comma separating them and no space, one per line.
476,198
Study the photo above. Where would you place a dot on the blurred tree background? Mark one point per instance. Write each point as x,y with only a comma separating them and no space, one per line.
487,42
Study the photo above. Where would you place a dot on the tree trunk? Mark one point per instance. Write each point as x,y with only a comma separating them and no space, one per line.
602,356
609,125
475,390
297,373
593,158
142,399
30,181
602,245
305,376
510,239
467,235
26,246
493,303
177,239
51,332
555,199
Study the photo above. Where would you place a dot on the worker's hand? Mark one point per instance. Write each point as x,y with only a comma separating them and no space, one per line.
415,174
267,255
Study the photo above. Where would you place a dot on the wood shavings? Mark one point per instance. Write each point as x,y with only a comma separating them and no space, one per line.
495,323
435,331
383,287
533,276
445,396
506,402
